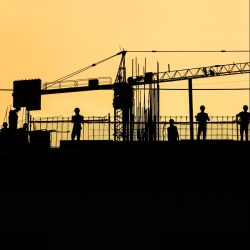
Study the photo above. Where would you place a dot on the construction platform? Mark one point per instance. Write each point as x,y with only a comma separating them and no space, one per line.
127,195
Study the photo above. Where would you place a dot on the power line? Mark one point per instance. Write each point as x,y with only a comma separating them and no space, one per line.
220,89
222,82
137,51
188,51
208,83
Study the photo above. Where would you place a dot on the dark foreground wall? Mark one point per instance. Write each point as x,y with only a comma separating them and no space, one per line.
106,195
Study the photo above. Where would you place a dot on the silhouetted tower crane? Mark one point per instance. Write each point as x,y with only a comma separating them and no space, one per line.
123,88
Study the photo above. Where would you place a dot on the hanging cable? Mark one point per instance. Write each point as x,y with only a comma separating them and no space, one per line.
188,51
222,89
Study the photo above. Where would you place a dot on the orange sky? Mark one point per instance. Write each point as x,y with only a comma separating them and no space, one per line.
49,39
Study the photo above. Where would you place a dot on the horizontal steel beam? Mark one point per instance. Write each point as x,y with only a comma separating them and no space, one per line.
76,89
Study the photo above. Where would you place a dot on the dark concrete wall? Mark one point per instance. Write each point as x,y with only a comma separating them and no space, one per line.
93,195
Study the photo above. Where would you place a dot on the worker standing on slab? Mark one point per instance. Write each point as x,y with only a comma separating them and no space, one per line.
243,119
77,120
202,118
173,135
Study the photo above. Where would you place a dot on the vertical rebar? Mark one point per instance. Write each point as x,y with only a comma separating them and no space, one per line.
109,126
67,129
158,98
62,124
227,128
93,129
56,131
221,127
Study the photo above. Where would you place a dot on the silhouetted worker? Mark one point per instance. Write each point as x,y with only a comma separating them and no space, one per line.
13,119
77,119
5,128
244,122
5,133
173,135
202,119
22,134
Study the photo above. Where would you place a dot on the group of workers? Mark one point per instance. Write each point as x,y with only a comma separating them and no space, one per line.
202,118
10,131
242,118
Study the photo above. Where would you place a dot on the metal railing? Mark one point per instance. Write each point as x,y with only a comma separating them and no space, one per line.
102,128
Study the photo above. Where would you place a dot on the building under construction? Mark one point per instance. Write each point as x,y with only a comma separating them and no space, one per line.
123,185
136,102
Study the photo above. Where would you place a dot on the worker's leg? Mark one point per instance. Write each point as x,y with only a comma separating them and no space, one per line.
241,133
199,133
246,134
204,133
78,135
